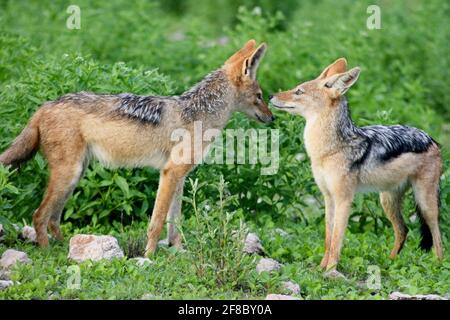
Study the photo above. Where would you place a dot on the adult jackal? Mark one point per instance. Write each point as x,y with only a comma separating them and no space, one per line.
346,159
126,130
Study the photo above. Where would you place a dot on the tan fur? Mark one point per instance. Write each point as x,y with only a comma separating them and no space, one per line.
318,103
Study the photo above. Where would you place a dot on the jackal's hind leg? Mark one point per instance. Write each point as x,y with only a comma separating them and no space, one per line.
426,193
62,181
55,219
391,201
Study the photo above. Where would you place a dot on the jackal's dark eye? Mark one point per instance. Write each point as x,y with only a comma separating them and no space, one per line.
259,96
299,91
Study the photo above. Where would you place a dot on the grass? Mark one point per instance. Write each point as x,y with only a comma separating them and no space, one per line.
171,275
164,47
214,267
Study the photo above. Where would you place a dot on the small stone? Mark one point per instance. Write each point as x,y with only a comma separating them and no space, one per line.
28,234
252,244
11,257
402,296
4,274
292,287
142,262
334,274
280,297
5,284
84,247
281,232
177,36
148,296
223,41
268,265
257,11
163,242
300,157
362,285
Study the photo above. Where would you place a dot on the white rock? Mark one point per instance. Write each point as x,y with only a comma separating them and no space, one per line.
281,232
292,287
280,297
84,247
4,274
257,11
148,296
300,157
253,244
402,296
28,234
5,284
142,262
334,274
222,41
163,242
267,264
177,36
11,257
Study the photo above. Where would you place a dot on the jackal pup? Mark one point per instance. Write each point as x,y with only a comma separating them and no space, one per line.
127,130
347,159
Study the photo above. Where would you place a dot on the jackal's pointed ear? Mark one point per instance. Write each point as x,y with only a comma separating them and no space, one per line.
339,66
244,52
250,65
343,81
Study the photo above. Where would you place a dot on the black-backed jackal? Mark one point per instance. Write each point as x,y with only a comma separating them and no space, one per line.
126,130
346,159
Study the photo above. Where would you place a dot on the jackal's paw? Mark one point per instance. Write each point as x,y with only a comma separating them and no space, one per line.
56,232
324,262
150,249
42,242
148,253
177,244
393,255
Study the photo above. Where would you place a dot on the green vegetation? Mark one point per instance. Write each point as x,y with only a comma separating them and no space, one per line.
163,47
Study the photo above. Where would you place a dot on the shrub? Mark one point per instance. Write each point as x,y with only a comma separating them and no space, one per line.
216,238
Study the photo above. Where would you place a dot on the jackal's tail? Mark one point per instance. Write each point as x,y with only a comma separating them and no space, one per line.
426,241
24,146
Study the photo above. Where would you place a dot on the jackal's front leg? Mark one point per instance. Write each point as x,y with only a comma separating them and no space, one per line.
341,216
329,221
174,217
170,177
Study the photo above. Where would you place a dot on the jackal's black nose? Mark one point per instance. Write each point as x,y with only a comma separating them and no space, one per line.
270,96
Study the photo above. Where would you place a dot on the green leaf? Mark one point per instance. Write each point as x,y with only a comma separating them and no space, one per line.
123,185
